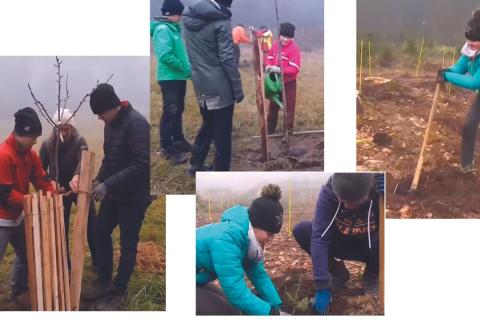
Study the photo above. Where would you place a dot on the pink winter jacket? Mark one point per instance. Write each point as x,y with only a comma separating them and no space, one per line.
291,60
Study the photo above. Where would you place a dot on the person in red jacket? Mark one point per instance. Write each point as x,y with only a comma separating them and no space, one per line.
291,60
239,35
19,166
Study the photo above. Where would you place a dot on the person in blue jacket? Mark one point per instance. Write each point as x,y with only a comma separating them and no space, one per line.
345,227
466,74
234,247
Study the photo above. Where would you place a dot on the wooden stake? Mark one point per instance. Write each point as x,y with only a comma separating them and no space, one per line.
419,57
260,95
37,252
59,238
418,170
369,61
289,209
209,212
361,68
66,280
28,222
80,227
53,251
47,276
443,56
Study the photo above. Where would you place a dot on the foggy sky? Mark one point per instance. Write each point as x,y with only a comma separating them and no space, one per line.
246,181
130,80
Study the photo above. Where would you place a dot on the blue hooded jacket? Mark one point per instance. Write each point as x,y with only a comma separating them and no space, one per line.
222,254
345,223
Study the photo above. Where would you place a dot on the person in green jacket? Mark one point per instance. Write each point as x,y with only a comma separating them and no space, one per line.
466,74
173,71
233,247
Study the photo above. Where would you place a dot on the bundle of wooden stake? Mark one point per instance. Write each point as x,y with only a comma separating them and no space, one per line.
52,286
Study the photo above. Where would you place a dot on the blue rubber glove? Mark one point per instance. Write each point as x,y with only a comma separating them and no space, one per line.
323,298
380,183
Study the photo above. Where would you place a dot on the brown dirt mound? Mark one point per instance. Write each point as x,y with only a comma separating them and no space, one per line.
150,257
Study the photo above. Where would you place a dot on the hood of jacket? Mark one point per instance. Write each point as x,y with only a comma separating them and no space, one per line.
238,215
163,21
202,12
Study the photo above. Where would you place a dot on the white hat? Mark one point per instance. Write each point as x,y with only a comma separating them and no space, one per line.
65,115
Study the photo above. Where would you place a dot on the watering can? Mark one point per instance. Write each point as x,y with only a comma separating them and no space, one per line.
273,88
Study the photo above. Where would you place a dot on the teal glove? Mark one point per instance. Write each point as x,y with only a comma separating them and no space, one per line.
323,298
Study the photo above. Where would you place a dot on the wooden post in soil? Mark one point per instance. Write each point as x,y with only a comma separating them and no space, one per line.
289,210
64,244
53,252
260,95
361,68
80,227
37,249
369,60
59,238
28,221
209,212
382,253
46,248
420,57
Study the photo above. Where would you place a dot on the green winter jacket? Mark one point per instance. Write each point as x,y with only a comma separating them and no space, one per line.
465,73
172,58
222,254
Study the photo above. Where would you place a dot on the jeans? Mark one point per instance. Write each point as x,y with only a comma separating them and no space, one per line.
469,132
217,126
19,274
171,129
129,217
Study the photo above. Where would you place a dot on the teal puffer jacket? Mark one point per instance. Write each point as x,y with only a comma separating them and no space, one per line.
465,73
222,254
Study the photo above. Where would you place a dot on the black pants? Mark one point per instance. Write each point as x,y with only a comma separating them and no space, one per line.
469,132
212,301
92,221
173,94
217,126
341,247
130,218
236,53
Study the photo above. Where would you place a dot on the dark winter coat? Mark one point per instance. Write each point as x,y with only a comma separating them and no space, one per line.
69,157
208,36
125,168
347,224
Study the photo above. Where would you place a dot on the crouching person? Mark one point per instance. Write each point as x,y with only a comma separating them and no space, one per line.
345,227
19,166
233,247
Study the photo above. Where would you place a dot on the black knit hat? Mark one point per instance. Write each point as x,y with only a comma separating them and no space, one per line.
103,98
266,212
473,27
226,3
287,30
27,123
352,186
172,8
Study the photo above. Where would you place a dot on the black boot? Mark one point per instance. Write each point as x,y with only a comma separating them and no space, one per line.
182,146
370,283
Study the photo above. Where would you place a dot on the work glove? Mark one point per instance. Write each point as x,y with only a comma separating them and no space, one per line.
238,95
380,188
99,192
275,69
323,298
441,75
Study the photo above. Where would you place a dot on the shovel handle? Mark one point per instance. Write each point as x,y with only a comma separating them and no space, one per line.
418,170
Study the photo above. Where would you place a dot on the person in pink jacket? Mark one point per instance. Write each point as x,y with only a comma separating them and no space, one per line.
291,59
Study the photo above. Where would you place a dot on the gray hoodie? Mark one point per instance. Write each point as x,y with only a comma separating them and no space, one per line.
208,36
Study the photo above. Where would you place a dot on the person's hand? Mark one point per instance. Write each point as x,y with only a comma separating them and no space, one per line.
441,76
323,298
380,188
74,183
274,69
238,95
99,192
54,185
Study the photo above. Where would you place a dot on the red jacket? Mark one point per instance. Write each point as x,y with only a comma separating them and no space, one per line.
291,60
17,170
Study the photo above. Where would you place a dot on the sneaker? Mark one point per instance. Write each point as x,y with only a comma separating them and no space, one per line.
370,283
112,300
173,156
469,168
182,146
340,273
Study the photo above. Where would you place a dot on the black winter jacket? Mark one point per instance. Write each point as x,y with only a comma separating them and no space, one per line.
125,168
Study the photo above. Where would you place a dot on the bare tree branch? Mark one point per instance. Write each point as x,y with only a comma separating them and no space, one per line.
59,82
41,108
67,95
